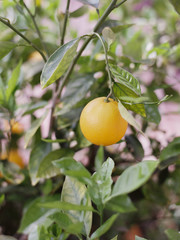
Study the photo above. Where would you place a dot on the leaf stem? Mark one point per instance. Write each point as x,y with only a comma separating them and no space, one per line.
107,65
7,23
65,22
36,27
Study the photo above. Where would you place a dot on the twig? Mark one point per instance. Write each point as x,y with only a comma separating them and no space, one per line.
36,27
7,23
71,67
65,22
119,4
107,65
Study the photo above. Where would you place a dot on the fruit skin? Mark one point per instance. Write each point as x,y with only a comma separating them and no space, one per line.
16,158
101,122
16,127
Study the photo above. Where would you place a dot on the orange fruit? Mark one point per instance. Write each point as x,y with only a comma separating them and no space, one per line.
101,122
15,157
16,127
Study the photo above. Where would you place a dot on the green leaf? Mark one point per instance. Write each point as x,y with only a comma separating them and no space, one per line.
93,3
100,190
121,27
139,238
115,238
135,147
66,206
2,198
70,167
104,228
77,90
46,168
5,48
121,91
33,129
120,204
108,36
38,153
54,141
162,49
13,81
125,78
64,222
152,113
171,153
35,106
36,215
75,192
58,62
134,177
79,12
172,234
128,117
99,158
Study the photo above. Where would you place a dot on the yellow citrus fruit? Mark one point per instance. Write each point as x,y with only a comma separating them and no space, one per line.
15,157
16,127
101,122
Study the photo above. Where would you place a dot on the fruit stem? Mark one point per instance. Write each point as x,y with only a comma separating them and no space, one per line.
107,64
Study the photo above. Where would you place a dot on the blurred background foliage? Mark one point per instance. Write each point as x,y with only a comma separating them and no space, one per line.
146,43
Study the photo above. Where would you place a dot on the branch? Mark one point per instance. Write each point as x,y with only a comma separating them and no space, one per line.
7,23
97,26
65,22
36,27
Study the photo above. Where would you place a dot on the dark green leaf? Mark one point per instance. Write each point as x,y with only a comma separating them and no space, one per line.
104,228
120,91
135,147
33,129
79,12
68,166
5,48
58,62
36,215
77,90
64,222
121,27
134,177
126,79
172,234
93,3
120,204
152,113
46,168
38,153
171,153
99,158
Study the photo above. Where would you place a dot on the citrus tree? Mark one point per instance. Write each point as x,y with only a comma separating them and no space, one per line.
88,100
